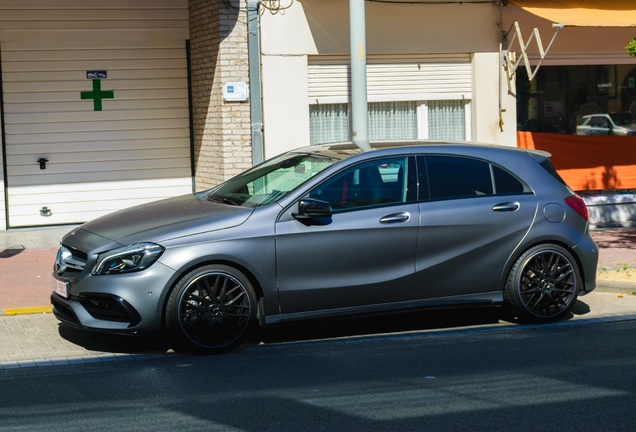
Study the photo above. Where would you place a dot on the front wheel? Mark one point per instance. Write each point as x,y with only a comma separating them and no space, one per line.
543,284
210,310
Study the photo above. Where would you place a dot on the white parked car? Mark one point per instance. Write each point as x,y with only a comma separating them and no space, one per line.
617,123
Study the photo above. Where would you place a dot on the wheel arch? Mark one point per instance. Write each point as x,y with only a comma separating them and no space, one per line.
256,285
526,247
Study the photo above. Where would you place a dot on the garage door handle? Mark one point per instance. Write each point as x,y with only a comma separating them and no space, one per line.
506,207
42,161
396,218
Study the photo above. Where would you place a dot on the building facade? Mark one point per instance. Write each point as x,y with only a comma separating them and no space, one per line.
432,73
95,110
586,71
110,104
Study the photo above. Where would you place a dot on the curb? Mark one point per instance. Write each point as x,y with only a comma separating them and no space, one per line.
625,288
31,310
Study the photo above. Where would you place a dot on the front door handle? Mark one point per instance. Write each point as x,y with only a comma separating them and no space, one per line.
506,207
396,218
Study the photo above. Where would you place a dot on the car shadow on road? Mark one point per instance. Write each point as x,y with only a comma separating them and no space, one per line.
111,343
581,308
299,331
437,319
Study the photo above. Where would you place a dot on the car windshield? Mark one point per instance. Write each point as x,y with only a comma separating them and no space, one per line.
270,180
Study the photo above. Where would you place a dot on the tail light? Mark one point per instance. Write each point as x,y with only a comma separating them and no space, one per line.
577,204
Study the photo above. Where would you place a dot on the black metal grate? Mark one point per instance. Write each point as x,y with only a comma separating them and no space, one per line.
109,308
63,312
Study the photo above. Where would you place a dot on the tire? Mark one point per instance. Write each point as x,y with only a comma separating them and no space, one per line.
543,284
210,310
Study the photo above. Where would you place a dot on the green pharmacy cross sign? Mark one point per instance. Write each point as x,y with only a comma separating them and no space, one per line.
97,94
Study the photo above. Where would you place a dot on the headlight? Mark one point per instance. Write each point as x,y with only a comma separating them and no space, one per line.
127,259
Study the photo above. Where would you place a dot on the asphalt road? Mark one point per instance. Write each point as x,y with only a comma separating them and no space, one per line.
566,378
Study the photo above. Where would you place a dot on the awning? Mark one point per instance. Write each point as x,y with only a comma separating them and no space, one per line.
583,13
564,13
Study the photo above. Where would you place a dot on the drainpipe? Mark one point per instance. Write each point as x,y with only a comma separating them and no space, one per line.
501,64
254,56
359,105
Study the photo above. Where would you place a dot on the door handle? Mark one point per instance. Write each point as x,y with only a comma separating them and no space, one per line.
506,207
396,218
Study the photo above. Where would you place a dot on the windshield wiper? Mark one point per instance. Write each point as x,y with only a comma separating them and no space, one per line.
222,200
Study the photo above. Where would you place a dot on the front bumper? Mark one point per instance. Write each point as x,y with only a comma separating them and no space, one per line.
125,303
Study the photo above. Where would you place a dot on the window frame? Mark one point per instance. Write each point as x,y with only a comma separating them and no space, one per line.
424,179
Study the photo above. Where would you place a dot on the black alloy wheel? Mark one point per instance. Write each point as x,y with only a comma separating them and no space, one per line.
210,310
543,284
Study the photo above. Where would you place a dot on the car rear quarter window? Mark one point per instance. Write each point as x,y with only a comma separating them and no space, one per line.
547,165
506,183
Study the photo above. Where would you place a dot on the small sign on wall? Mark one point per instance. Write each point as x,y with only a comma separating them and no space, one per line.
235,91
96,74
97,94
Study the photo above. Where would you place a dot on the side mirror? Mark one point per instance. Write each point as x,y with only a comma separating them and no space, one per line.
313,212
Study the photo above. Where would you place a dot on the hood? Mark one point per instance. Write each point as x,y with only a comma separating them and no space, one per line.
166,219
628,128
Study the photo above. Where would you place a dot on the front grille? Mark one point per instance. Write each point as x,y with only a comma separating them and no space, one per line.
109,308
69,261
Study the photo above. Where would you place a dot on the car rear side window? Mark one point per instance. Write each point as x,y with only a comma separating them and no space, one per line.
457,177
449,177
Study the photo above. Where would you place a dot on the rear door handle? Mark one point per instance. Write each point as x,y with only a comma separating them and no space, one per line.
396,218
506,207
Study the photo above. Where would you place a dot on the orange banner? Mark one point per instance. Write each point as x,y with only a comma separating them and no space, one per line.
588,162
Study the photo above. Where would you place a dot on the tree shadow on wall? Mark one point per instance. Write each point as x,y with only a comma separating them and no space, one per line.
609,180
607,201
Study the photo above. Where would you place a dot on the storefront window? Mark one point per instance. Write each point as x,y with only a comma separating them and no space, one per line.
584,100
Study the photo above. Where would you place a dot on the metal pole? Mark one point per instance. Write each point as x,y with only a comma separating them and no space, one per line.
254,55
359,105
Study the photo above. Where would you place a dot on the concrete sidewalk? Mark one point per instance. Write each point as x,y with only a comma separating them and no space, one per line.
27,257
26,264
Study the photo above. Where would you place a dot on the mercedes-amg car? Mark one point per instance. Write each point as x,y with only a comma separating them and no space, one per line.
330,230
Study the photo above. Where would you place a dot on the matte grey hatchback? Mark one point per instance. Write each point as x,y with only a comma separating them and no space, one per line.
328,231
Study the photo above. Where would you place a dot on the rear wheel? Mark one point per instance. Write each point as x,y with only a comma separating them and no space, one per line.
211,309
543,284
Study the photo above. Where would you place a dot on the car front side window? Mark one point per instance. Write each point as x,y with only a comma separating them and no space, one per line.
371,184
